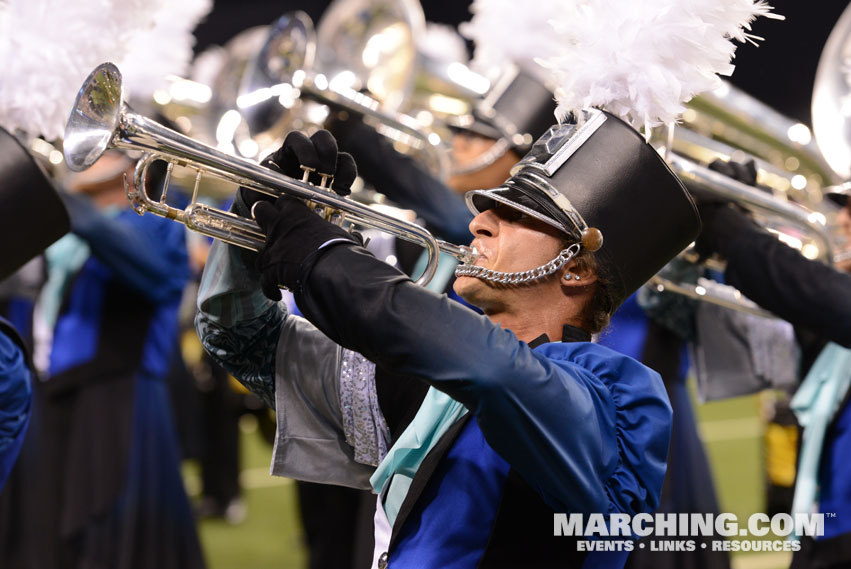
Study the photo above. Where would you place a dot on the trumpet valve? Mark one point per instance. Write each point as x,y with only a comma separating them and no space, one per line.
306,171
325,180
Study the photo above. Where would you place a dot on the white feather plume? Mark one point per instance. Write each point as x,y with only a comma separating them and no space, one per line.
164,48
443,43
508,31
48,47
644,60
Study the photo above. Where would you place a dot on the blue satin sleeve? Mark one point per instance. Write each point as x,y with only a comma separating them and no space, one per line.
147,253
15,398
588,428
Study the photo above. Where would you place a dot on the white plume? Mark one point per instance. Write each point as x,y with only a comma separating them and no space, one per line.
508,31
163,49
642,60
48,47
443,43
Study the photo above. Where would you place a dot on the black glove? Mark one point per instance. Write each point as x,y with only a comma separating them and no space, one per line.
744,172
294,234
724,222
293,231
723,225
319,152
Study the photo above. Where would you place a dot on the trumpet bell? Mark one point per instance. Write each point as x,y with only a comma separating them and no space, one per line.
94,118
832,96
376,41
289,48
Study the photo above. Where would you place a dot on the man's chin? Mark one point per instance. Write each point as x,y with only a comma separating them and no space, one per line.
471,289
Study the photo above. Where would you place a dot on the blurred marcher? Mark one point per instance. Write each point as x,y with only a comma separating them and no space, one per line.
101,486
207,413
816,299
219,407
15,396
32,216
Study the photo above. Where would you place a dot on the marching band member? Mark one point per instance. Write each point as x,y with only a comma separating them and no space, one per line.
105,326
482,156
516,425
32,217
816,299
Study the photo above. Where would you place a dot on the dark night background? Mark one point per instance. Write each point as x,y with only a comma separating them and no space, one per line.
780,72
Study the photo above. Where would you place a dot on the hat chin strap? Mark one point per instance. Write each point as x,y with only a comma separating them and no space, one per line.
487,158
521,277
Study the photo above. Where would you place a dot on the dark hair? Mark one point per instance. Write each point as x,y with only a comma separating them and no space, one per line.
596,315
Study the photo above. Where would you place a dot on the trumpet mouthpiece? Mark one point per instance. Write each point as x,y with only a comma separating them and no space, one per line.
467,255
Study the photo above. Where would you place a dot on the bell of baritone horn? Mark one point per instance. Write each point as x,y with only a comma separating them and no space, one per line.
100,119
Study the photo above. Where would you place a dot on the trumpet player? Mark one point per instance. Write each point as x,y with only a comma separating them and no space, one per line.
816,299
524,416
26,196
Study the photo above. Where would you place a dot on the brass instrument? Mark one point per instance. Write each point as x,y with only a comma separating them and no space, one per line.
729,124
381,42
282,79
100,119
789,161
830,111
794,224
801,227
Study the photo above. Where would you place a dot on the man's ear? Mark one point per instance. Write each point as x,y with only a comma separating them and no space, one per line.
576,274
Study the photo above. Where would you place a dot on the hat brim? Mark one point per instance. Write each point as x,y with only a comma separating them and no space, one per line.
471,124
839,194
483,200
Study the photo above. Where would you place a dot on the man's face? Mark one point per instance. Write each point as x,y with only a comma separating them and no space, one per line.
468,147
509,241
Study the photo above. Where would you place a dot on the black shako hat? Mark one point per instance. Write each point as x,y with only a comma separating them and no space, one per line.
32,215
839,194
517,109
602,185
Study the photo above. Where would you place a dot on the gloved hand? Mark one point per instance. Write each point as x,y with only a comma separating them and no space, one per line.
293,231
319,153
724,222
744,172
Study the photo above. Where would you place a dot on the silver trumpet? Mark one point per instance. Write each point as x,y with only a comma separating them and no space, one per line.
800,227
779,216
284,70
100,119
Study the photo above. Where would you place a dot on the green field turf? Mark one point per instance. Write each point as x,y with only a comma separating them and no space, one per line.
270,537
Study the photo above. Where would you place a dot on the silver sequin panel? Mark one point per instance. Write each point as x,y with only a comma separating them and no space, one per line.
363,424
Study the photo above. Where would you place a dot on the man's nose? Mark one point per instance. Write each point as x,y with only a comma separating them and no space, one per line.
484,224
